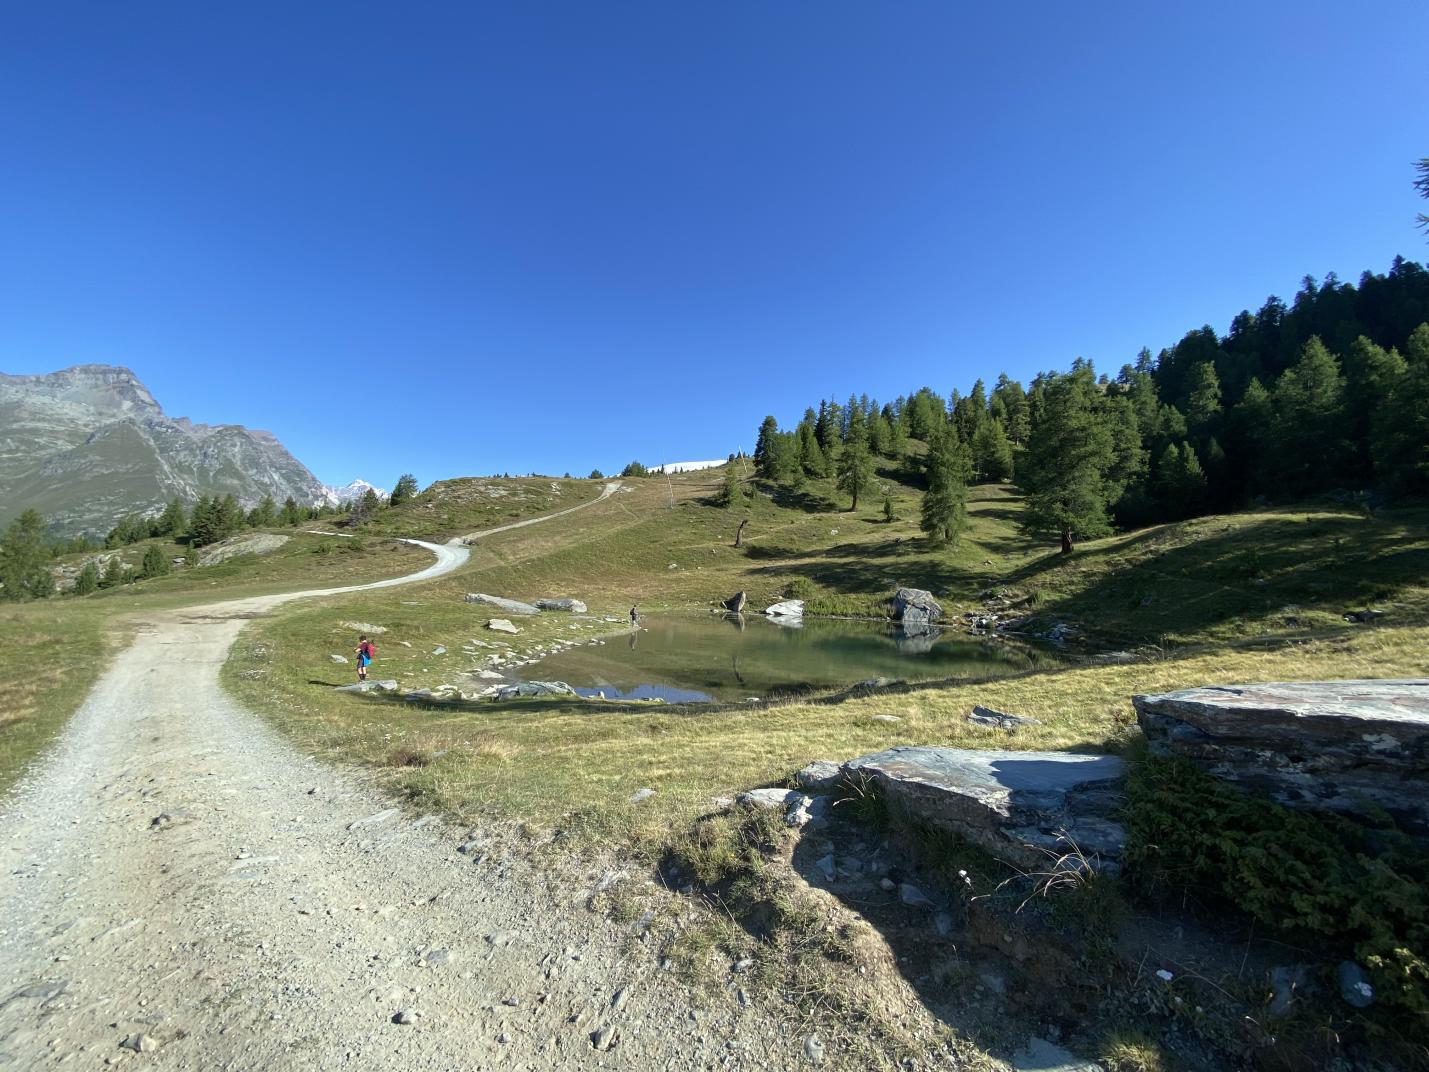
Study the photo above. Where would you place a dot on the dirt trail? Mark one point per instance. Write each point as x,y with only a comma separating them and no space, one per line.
176,870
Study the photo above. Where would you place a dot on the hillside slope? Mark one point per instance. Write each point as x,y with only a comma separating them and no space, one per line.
89,444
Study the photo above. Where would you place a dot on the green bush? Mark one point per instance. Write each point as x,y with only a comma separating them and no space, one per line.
1345,888
799,588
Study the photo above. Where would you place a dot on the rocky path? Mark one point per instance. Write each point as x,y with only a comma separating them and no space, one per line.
181,889
606,492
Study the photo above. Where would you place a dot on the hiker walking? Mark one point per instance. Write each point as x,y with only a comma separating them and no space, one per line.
634,616
365,652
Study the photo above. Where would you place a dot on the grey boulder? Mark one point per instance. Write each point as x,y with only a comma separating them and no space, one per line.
369,686
1023,807
510,606
736,602
501,625
571,606
790,608
911,605
999,720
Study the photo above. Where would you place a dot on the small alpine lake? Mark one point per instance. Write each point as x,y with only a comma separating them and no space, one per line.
732,657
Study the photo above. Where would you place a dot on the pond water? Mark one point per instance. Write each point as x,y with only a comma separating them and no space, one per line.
694,659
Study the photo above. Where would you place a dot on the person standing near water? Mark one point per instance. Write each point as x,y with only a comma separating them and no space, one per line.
365,651
634,617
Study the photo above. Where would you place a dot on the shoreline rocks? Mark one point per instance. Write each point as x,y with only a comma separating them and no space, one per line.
511,606
915,606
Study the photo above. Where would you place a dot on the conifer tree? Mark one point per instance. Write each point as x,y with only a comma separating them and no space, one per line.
948,467
156,563
88,579
855,465
25,559
404,489
1203,399
992,452
1064,470
1310,449
113,573
731,495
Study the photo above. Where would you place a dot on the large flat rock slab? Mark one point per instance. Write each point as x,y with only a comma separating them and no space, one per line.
1351,747
1019,806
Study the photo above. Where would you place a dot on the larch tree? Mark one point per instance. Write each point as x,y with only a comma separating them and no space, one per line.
947,466
1064,470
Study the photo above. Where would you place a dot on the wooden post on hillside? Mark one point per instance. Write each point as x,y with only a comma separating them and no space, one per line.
739,533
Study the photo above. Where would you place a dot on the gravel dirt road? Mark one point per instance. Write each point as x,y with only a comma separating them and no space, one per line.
181,889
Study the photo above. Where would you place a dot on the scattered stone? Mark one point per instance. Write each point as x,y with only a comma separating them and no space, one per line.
510,606
504,1038
339,659
742,965
405,1016
943,924
364,627
501,625
1039,1055
165,820
807,810
1016,805
500,939
1355,986
1286,984
888,719
769,798
821,776
915,605
140,1043
605,1038
1349,747
912,896
571,606
621,997
373,819
1363,615
736,602
388,685
790,608
999,720
439,650
641,795
814,1049
826,865
887,884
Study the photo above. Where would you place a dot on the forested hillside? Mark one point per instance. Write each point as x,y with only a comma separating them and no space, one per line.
1327,394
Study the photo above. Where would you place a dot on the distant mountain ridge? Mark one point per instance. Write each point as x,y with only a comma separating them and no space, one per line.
350,492
86,445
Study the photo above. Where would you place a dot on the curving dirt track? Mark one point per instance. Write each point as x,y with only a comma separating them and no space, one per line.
178,878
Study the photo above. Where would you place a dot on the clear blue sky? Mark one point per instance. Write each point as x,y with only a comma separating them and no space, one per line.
458,238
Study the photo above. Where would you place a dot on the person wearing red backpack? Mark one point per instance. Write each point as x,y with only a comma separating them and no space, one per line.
366,651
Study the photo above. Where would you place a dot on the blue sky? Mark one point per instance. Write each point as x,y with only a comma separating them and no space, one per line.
466,238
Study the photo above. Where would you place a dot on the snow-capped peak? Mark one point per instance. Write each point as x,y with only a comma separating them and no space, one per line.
350,492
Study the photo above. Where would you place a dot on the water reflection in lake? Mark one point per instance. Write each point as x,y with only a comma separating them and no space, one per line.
693,658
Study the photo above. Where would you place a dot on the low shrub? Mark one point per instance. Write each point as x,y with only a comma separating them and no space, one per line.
1351,890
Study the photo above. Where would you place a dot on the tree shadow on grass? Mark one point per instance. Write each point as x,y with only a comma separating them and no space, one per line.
1186,580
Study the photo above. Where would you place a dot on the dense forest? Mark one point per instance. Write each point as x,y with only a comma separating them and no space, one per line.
1329,394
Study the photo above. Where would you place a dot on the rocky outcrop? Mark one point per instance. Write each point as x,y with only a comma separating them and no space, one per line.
527,689
369,686
1350,747
736,602
253,543
912,606
510,606
570,606
1023,807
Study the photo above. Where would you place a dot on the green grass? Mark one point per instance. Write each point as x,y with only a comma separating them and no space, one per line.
574,765
467,504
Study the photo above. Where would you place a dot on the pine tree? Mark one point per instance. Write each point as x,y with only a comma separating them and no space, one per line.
730,495
25,559
1203,399
113,573
264,514
291,515
764,448
992,452
888,516
1310,448
596,474
156,563
405,489
855,465
1064,470
172,521
948,467
88,579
